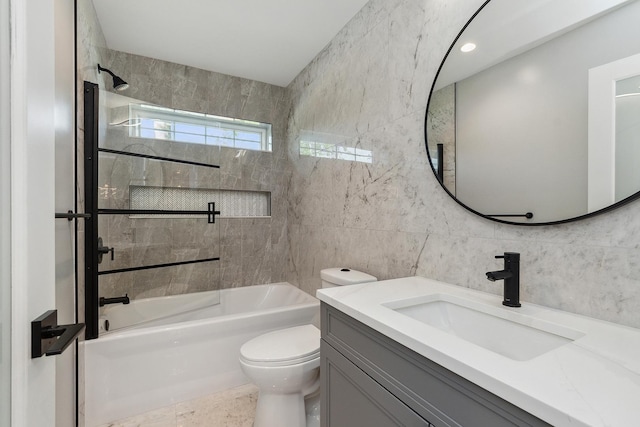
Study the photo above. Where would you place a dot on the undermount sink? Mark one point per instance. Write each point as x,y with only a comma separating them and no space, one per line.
503,331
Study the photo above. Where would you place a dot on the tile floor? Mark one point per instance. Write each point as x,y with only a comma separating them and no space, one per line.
231,408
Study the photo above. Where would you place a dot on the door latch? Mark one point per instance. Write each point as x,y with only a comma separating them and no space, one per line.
48,338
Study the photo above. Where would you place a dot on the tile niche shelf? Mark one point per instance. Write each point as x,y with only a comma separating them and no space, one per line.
232,203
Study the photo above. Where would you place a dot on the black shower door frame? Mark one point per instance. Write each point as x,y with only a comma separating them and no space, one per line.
92,210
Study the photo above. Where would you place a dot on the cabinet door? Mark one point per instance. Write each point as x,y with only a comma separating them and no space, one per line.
431,391
351,398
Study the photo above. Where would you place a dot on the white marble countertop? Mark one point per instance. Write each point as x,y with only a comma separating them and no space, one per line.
591,381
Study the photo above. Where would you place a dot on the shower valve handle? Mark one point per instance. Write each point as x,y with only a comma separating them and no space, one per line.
103,250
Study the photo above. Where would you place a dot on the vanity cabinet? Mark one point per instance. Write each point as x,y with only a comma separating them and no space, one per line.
367,379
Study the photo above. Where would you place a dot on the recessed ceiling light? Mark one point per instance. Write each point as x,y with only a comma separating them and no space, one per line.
467,47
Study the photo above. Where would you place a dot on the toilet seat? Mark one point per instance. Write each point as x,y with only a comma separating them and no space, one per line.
283,347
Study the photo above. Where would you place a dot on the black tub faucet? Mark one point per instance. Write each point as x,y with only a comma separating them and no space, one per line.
511,277
118,300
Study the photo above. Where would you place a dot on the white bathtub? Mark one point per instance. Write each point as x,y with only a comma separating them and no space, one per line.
157,353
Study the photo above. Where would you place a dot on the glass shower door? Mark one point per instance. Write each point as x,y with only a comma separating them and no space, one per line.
157,205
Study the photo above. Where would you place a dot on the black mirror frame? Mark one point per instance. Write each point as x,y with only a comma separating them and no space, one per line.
493,218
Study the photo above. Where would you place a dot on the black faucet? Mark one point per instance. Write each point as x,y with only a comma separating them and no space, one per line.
511,277
118,300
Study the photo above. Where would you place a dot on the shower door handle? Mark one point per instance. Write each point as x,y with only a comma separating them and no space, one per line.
70,215
211,213
102,250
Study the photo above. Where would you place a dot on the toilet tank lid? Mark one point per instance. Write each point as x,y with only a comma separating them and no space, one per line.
345,276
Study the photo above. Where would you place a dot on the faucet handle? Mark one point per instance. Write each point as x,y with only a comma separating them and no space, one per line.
510,257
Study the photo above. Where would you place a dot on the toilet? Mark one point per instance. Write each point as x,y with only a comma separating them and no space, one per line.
285,365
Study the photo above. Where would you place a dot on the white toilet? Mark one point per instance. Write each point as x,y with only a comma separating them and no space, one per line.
285,365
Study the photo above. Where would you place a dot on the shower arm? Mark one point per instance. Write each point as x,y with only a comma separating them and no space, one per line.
107,70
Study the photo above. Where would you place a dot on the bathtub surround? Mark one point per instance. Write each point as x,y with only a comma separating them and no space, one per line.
247,247
251,249
370,86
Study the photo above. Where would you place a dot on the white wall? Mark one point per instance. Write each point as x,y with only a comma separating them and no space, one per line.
5,220
543,169
32,205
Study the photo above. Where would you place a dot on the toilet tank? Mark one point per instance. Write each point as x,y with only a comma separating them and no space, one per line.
332,277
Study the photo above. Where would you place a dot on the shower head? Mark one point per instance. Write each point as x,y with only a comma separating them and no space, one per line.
118,83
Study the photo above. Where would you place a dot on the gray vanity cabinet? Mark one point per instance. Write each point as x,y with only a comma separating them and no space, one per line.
369,380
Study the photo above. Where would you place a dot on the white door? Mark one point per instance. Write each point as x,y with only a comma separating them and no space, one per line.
40,115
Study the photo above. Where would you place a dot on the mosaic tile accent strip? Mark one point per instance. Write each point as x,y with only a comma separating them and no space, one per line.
230,203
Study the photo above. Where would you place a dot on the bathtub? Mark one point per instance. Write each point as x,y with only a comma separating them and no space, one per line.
159,351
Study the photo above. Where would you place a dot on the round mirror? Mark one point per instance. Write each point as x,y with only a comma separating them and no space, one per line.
534,116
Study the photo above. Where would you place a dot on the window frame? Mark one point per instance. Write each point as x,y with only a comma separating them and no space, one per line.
325,150
139,112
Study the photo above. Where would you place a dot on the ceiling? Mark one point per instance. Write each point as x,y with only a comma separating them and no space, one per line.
506,28
268,41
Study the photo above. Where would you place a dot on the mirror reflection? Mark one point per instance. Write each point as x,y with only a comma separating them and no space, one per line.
535,110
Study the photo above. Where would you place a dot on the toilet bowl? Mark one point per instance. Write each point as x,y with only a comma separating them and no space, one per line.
285,365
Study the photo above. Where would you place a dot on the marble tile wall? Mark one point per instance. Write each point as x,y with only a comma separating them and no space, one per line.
370,87
441,129
248,248
252,251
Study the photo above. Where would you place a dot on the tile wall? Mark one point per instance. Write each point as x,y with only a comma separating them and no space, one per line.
247,247
252,250
369,88
441,129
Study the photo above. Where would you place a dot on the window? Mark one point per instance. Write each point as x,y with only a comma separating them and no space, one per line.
333,151
197,128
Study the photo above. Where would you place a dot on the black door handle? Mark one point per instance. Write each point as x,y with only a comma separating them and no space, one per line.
48,338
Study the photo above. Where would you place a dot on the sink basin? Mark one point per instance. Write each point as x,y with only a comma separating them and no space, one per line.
501,330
